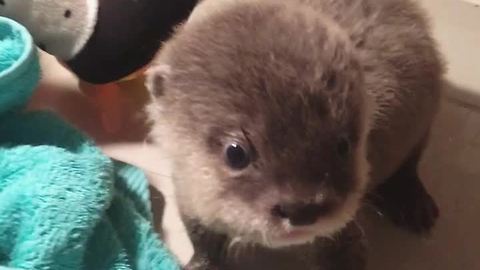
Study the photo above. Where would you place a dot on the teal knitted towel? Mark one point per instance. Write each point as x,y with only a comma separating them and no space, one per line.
63,204
18,65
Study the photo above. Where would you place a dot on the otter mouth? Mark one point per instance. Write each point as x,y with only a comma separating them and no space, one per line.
288,233
297,235
291,236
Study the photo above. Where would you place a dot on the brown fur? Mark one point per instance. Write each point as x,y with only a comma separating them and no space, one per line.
295,76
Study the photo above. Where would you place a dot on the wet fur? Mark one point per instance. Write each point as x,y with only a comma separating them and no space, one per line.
388,80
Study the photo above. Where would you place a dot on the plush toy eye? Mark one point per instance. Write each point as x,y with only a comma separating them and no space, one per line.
343,147
237,156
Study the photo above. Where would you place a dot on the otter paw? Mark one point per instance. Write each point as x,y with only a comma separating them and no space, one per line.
408,205
199,263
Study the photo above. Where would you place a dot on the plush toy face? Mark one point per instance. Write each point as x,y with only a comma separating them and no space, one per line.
60,27
101,41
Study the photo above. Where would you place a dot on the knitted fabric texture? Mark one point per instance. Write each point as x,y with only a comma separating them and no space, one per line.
63,204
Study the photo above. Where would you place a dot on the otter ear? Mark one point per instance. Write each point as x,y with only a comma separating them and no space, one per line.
155,78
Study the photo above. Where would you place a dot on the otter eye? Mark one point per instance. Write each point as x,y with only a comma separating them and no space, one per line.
343,147
237,157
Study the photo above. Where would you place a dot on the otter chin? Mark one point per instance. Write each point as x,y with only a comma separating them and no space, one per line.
279,117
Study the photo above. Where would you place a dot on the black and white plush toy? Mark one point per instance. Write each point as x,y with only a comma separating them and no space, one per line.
101,41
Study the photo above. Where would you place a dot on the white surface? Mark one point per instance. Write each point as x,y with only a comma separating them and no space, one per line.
457,28
475,2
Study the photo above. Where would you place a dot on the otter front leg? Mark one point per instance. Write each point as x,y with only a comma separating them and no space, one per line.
200,262
208,247
206,256
404,199
346,251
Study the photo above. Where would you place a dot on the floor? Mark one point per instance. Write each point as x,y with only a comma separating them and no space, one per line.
450,166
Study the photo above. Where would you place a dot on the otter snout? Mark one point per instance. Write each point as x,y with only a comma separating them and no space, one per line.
301,213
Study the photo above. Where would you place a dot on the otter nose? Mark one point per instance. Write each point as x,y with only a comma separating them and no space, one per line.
301,214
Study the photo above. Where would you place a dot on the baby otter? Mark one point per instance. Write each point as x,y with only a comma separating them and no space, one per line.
280,117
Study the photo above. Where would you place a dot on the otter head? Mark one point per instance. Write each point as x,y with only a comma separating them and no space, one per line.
261,109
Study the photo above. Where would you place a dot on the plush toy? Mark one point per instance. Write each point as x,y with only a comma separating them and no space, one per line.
63,204
103,42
